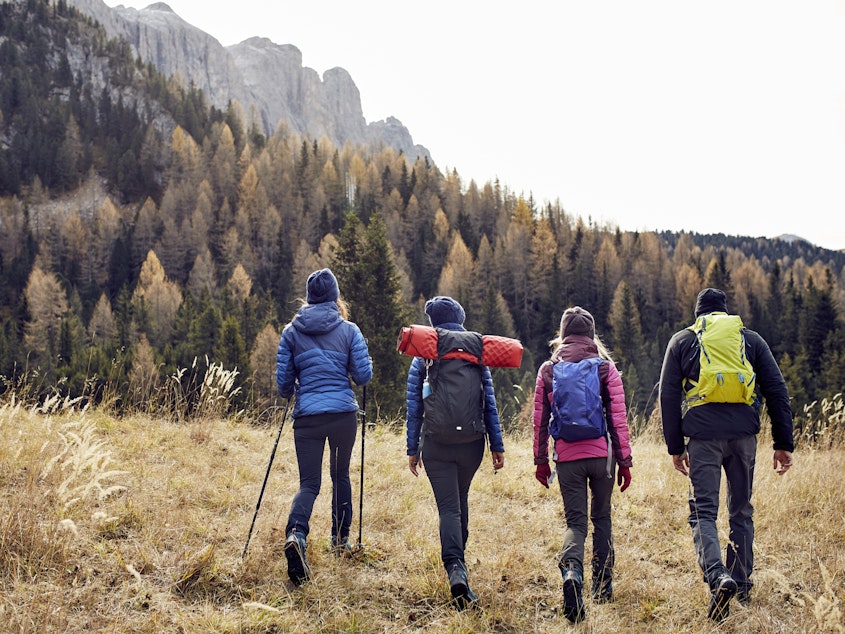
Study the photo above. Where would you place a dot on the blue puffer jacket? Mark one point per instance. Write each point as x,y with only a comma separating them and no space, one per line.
318,352
413,398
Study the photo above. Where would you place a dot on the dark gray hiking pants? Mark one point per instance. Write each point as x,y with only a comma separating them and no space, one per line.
707,458
575,477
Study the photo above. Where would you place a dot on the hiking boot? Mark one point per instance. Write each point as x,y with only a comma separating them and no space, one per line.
743,596
462,596
723,591
341,546
573,601
602,587
298,569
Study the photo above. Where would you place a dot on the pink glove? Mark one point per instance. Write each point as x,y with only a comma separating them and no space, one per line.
623,478
543,473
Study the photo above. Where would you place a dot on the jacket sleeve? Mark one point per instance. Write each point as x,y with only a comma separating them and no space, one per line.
491,413
620,436
360,363
542,412
772,386
413,401
285,367
671,397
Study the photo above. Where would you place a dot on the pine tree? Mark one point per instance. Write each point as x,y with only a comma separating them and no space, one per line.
369,282
718,276
630,350
770,326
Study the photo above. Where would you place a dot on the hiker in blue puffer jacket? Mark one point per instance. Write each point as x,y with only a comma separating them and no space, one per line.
319,351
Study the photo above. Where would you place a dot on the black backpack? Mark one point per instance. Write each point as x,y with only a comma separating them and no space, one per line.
453,392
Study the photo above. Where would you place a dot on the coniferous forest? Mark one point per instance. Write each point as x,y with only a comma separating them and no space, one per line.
152,248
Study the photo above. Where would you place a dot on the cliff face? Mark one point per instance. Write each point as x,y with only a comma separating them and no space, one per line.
257,73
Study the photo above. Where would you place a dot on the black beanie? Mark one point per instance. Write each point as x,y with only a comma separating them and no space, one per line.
711,300
321,287
577,321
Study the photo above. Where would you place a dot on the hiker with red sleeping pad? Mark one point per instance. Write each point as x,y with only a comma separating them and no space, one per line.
449,447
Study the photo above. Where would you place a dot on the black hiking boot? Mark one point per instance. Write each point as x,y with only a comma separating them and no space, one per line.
462,596
720,598
573,601
602,586
298,569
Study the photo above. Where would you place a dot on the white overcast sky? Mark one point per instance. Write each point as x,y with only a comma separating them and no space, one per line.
725,116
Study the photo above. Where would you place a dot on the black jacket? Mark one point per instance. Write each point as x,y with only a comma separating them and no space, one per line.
721,420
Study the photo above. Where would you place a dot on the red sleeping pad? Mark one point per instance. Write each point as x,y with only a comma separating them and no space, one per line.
496,351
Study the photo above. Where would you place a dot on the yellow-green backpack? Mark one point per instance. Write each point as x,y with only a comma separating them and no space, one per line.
726,376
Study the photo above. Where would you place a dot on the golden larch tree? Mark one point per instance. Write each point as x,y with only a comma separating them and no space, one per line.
46,303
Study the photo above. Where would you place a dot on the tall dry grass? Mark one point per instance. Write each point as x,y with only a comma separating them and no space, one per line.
137,524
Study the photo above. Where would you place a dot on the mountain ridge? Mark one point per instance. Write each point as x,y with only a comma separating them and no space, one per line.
263,76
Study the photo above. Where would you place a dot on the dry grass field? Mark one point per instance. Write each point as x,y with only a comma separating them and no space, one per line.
138,525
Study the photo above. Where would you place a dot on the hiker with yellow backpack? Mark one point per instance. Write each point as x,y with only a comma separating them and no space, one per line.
716,375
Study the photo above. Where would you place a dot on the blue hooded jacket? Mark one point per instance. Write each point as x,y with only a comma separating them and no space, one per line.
318,353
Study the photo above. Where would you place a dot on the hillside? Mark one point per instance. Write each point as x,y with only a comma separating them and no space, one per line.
138,525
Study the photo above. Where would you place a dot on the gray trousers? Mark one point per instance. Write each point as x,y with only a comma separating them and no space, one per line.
575,477
450,469
707,458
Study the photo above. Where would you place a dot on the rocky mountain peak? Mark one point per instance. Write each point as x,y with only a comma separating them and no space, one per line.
257,73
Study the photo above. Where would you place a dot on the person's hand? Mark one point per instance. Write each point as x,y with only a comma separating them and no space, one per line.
543,473
623,478
681,463
782,461
413,463
498,460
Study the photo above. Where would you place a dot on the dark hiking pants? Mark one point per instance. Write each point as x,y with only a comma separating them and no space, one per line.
575,477
310,434
450,469
707,458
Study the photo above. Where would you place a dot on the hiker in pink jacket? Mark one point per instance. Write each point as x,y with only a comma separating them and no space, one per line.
591,462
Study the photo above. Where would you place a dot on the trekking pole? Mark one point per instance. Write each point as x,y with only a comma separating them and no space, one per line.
361,493
266,476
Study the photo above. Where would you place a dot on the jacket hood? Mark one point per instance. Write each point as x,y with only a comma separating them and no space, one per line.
317,319
575,348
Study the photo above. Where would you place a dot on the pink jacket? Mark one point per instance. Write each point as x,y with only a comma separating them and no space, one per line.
575,348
